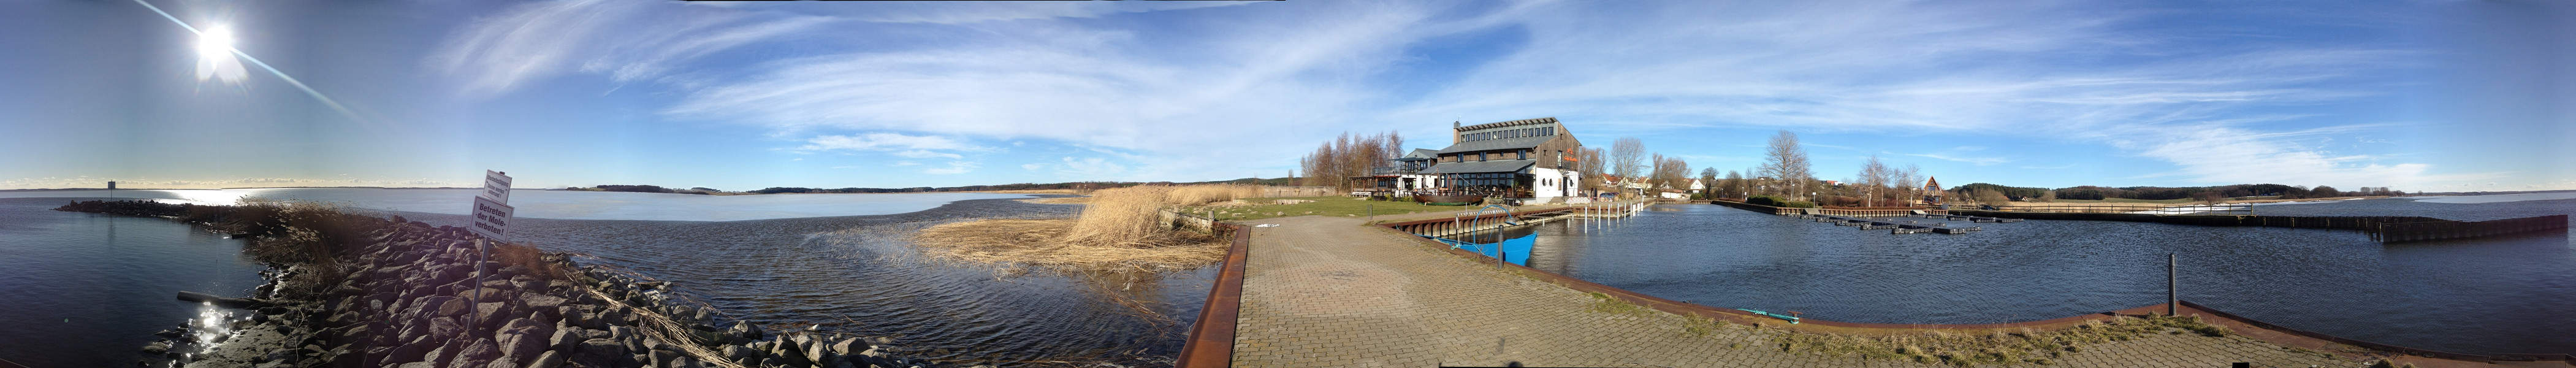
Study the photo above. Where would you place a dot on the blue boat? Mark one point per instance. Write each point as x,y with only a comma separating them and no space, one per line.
1515,250
1791,319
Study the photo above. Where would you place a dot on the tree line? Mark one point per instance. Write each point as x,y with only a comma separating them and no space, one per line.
1349,155
1991,193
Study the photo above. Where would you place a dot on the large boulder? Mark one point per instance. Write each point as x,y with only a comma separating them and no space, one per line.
662,358
746,331
817,353
849,346
489,315
541,301
452,307
442,327
548,359
477,354
519,345
567,339
599,353
738,352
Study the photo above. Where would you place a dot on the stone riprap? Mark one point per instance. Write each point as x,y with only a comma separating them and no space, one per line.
402,294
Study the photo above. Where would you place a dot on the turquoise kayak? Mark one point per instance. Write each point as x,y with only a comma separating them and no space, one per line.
1515,250
1791,319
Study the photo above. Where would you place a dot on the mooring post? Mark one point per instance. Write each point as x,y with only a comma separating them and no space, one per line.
2173,296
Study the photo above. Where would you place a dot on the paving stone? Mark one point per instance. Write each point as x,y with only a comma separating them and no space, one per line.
1322,291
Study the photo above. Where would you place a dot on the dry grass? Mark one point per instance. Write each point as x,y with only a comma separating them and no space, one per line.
1042,243
296,231
1213,193
1119,229
1123,217
1966,348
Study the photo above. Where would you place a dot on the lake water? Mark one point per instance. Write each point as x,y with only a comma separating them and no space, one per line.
88,290
2495,295
839,261
562,204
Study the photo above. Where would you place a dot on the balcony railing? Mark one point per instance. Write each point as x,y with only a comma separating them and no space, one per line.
1398,170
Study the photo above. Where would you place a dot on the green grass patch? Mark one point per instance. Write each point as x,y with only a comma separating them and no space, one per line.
1603,303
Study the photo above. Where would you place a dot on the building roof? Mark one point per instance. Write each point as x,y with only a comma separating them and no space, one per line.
1419,154
1545,120
1497,144
1474,167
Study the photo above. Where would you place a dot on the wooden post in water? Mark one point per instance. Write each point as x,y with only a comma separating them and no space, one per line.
2173,295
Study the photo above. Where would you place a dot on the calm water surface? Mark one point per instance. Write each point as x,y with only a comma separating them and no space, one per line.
840,262
87,290
560,204
2509,294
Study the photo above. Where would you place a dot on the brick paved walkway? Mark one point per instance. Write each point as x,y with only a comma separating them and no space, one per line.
1325,291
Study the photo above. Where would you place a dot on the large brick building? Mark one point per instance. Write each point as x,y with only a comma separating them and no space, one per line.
1531,158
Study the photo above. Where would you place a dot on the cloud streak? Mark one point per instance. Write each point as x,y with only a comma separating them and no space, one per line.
1225,83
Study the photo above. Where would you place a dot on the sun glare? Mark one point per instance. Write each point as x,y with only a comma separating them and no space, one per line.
216,42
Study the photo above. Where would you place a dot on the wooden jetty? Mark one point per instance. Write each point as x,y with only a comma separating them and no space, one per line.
1893,227
2381,228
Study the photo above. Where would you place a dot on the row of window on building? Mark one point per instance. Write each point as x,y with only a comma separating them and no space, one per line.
1515,133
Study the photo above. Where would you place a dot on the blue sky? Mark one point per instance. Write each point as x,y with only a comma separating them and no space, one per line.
2430,95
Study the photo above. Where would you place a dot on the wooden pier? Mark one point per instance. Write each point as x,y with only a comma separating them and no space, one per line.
2381,228
1892,226
1472,222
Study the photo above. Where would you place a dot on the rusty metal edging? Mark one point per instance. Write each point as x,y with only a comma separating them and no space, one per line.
1211,341
1696,310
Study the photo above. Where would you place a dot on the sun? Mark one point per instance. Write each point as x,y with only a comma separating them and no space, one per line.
215,43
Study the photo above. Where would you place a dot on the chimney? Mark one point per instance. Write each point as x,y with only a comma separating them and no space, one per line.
1453,132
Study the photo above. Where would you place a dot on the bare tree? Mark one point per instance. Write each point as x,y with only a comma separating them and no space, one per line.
1785,162
1909,183
1348,155
1735,184
1624,157
1592,168
1873,180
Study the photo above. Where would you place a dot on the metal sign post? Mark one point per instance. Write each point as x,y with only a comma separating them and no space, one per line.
491,214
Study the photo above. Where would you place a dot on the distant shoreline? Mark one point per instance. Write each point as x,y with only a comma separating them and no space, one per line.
1011,191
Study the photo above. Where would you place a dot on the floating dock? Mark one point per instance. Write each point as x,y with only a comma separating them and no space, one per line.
2386,229
1892,226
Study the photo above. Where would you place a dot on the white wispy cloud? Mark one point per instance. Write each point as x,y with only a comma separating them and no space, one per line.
953,168
2219,154
1229,84
1980,161
975,12
624,40
909,146
1089,168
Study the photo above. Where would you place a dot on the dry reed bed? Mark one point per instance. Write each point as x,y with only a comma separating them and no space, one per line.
1119,230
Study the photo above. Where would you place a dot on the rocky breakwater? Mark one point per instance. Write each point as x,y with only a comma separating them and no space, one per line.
392,293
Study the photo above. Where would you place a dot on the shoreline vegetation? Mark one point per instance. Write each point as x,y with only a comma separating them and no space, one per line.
1119,229
350,290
